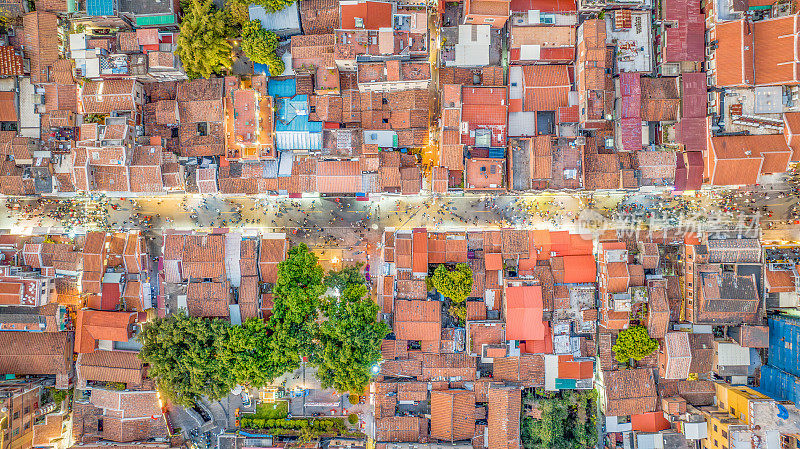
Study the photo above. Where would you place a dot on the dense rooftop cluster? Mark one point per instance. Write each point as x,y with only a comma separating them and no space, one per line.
405,98
547,312
533,95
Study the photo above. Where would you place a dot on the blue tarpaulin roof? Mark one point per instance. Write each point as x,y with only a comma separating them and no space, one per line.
784,343
100,7
282,88
779,384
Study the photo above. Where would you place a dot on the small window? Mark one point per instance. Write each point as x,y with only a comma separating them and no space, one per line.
715,427
724,434
202,129
384,101
26,426
100,425
386,120
312,109
716,443
16,414
175,132
15,432
27,410
733,411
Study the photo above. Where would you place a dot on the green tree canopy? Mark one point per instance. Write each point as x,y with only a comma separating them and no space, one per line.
273,5
259,45
296,300
185,355
568,422
246,353
341,279
203,40
456,284
633,343
238,10
350,337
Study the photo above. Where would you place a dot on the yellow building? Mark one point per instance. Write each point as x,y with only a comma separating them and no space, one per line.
745,417
732,414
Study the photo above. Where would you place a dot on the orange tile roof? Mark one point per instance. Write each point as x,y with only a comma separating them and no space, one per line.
580,269
338,177
374,15
452,415
649,422
776,60
505,403
780,281
494,261
739,160
10,62
568,368
93,325
37,353
546,87
630,392
734,63
485,334
523,313
41,43
417,320
791,130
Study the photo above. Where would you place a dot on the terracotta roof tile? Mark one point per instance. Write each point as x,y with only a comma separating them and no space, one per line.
505,403
417,320
452,415
629,392
546,87
41,43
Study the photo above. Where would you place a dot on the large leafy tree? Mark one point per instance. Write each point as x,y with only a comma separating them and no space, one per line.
185,357
456,284
293,325
567,422
634,343
350,337
238,10
203,44
274,5
246,353
341,279
259,45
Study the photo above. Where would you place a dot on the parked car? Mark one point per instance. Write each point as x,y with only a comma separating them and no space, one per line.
246,399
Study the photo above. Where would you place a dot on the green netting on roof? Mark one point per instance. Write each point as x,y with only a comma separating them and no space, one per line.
155,20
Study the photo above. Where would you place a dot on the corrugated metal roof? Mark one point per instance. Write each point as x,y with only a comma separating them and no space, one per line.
779,384
284,22
100,7
784,341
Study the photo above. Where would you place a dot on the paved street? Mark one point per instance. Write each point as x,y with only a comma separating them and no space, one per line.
331,222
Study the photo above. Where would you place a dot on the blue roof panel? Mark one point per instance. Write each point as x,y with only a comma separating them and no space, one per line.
784,342
100,7
779,384
282,88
